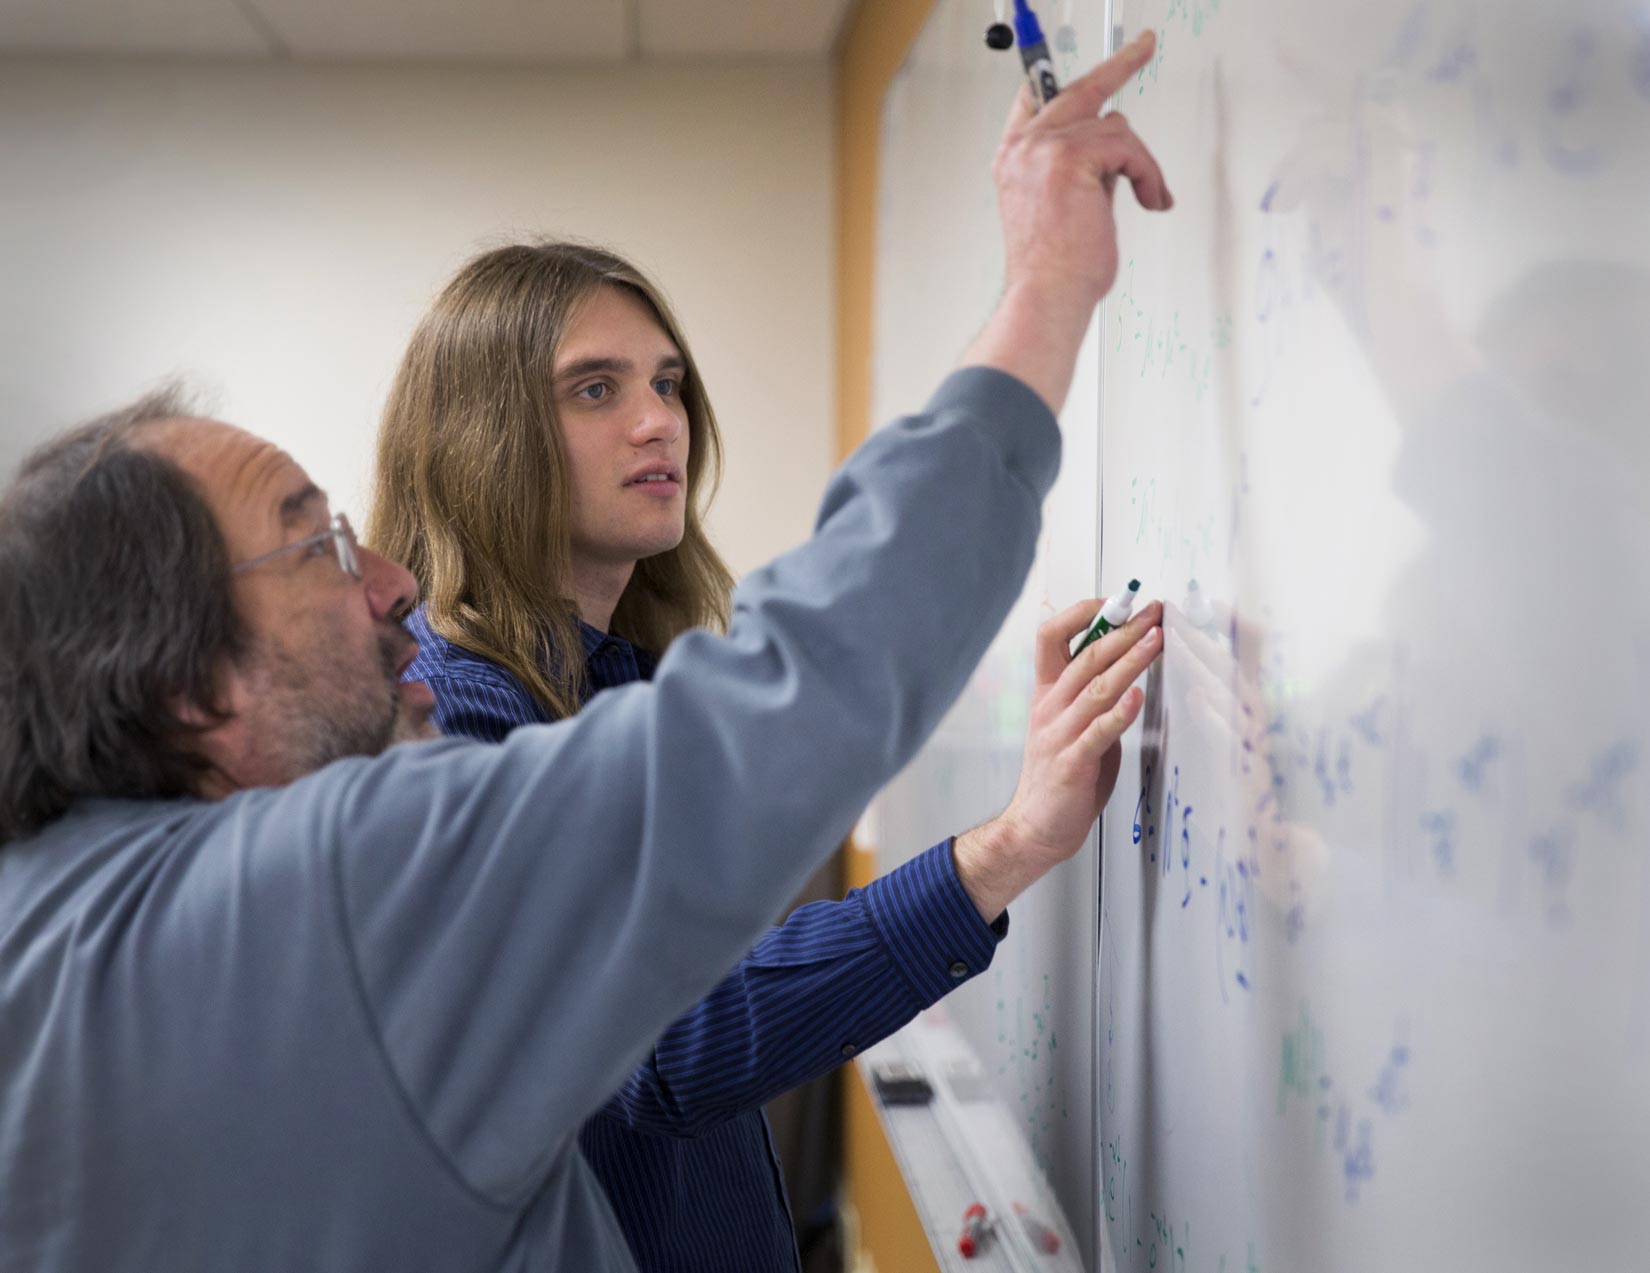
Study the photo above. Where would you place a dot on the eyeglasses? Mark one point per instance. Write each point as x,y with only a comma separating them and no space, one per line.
343,545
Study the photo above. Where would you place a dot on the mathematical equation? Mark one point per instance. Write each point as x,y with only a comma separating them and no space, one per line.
1028,1041
1345,1121
1162,1241
1190,546
1183,19
1158,346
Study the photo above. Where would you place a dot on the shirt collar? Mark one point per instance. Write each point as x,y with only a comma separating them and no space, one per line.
595,638
438,656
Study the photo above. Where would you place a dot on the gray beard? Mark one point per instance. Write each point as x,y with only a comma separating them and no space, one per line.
319,714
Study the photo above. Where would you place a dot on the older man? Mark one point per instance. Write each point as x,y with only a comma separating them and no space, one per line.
277,995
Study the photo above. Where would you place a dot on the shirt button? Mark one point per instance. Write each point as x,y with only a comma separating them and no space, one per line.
848,1049
958,970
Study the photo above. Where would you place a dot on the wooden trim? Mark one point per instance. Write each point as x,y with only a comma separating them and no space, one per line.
876,38
889,1231
891,1237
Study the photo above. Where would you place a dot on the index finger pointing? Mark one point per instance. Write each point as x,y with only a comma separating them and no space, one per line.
1084,96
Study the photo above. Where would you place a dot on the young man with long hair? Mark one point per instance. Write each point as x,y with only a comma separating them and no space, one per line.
545,459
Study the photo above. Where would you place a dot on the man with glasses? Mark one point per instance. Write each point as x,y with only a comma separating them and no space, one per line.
313,683
338,538
275,994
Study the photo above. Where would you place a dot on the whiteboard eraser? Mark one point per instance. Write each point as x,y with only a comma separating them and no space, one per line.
898,1083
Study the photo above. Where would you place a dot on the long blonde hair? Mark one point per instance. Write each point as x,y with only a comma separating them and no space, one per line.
471,489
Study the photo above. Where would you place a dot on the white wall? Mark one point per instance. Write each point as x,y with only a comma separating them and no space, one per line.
273,232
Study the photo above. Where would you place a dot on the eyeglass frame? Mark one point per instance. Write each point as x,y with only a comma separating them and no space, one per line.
344,546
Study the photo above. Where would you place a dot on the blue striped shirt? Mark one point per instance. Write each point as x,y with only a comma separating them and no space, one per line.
682,1149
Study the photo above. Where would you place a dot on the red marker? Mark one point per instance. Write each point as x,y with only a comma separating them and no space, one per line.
975,1226
1040,1234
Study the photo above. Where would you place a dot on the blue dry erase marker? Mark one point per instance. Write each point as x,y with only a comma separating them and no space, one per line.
1114,614
1034,54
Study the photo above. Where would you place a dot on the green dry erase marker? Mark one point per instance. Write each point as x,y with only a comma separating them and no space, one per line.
1114,614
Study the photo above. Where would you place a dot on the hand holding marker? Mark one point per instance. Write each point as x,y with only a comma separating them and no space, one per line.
1034,54
1057,170
1028,32
1114,614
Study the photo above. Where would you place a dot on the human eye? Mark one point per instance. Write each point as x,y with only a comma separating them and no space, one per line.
596,391
667,386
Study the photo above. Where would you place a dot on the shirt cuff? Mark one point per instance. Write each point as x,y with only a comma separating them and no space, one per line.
930,925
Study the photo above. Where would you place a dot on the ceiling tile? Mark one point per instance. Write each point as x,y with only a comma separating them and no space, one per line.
545,32
191,27
534,31
739,28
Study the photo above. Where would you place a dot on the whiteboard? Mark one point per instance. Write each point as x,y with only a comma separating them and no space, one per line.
1364,980
1375,945
1030,1018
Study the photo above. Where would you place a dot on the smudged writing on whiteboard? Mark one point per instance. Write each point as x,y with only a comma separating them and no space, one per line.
1345,1123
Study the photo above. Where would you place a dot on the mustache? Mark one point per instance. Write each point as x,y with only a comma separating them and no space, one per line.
394,647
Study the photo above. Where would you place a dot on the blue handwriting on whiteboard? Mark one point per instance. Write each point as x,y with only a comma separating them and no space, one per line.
1143,810
1367,723
1440,832
1599,793
1345,1123
1235,889
1472,768
1169,808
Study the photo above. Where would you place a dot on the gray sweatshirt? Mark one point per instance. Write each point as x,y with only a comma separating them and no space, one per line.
355,1023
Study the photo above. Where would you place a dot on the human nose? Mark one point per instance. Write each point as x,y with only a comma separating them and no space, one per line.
391,589
659,421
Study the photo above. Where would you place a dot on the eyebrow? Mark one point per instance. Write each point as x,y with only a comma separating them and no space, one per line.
617,366
293,506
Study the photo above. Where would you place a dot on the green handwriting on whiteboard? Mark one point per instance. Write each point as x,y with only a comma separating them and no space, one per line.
1159,347
1302,1061
1028,1060
1193,16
